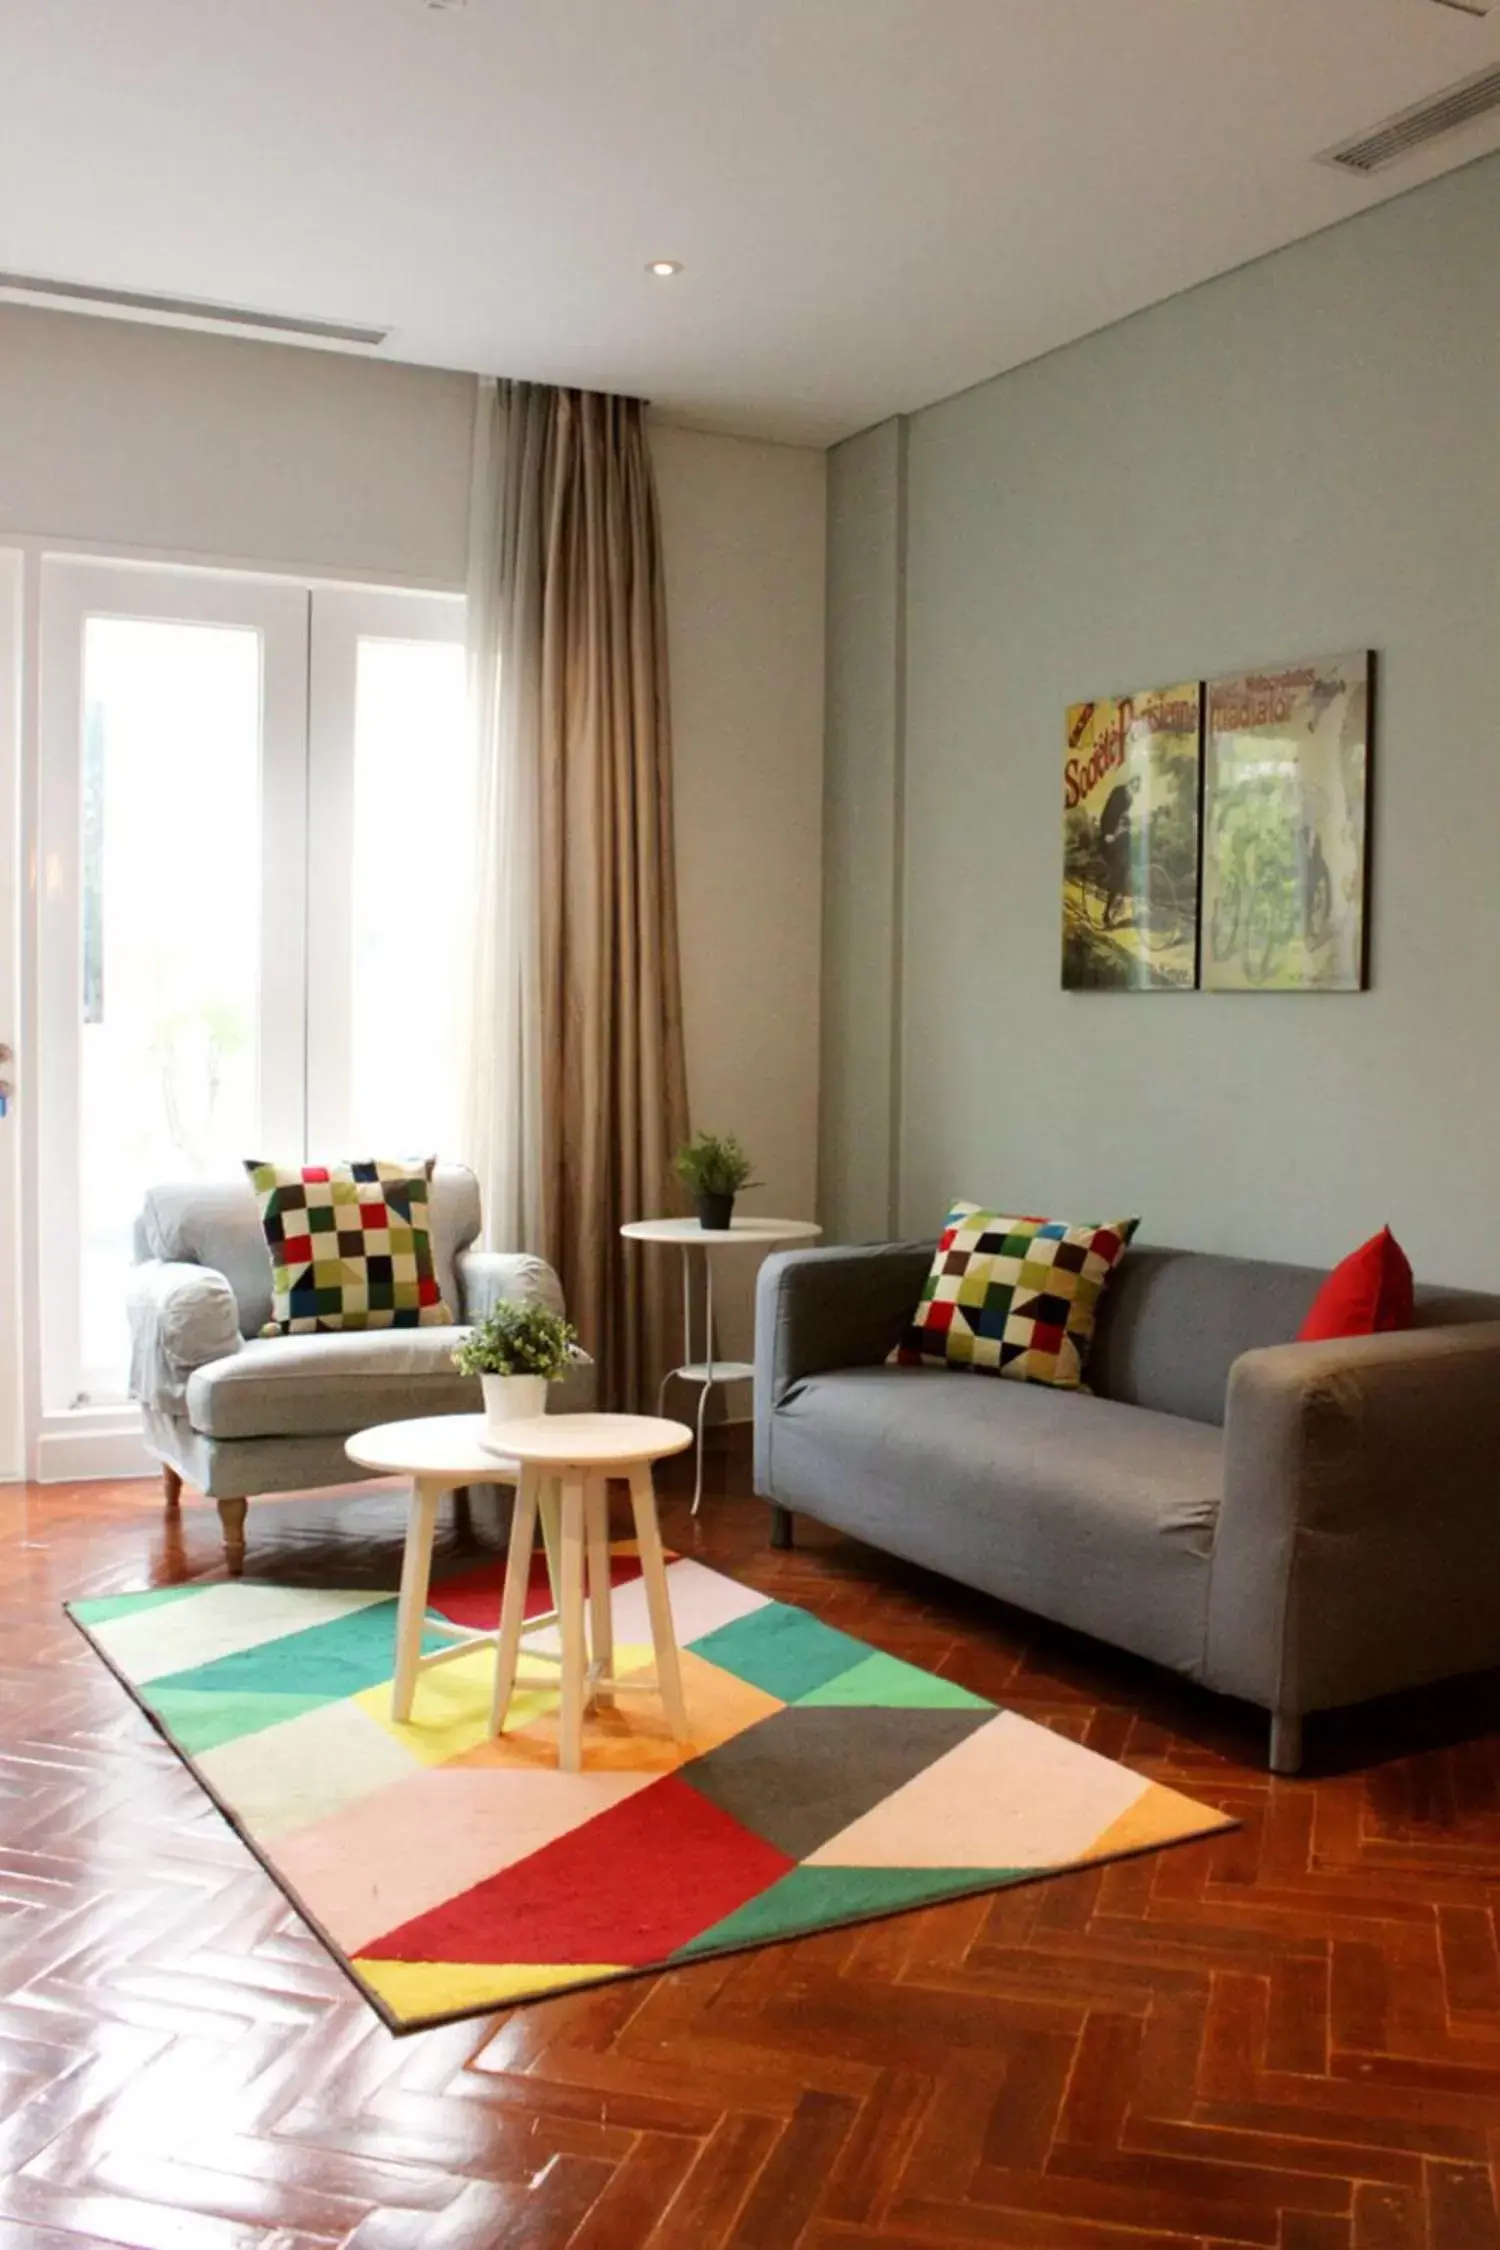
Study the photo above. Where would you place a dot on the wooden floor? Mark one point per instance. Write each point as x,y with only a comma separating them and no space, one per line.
1289,2036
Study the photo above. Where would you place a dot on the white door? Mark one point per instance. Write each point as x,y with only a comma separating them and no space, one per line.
171,921
12,893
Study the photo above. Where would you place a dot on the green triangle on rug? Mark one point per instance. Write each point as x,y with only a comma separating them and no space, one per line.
812,1898
201,1720
105,1607
329,1659
781,1650
886,1683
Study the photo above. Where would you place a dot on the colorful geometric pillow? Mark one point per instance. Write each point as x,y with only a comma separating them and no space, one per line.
350,1247
1013,1297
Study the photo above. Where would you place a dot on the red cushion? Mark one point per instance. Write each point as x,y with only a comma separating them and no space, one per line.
1368,1294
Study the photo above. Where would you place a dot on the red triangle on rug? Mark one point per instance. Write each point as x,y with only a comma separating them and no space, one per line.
472,1597
629,1886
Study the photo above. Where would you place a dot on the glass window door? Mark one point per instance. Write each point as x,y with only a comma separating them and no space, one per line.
253,840
172,946
391,834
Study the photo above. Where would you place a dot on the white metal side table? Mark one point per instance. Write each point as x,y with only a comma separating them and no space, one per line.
747,1233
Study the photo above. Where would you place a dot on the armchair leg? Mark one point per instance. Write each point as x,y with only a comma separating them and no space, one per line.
1286,1741
171,1484
781,1525
232,1519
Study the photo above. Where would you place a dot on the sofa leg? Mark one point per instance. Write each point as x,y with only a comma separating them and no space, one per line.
232,1519
781,1526
171,1484
1286,1741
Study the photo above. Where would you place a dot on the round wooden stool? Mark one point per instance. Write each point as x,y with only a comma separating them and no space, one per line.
440,1453
565,1461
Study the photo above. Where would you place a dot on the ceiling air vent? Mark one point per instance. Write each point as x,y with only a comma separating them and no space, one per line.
195,312
1411,129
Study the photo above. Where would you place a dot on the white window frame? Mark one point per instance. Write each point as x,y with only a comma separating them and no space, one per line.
12,898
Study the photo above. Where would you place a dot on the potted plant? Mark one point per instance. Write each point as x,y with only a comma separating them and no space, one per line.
516,1350
715,1167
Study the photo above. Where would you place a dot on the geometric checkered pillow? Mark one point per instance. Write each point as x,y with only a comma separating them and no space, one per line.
1013,1297
350,1247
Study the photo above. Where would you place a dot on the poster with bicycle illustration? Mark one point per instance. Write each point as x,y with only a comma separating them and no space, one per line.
1286,778
1130,842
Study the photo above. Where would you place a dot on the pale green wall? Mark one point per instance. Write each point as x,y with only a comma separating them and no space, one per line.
1297,459
861,835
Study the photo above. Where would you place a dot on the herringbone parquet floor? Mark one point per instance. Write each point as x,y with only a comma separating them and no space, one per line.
1287,2037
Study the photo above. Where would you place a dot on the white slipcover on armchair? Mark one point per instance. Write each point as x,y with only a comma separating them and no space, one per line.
235,1413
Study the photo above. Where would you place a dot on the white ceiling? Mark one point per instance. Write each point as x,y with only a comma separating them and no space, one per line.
877,202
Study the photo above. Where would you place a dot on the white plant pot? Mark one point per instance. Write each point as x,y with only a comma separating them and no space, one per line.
513,1398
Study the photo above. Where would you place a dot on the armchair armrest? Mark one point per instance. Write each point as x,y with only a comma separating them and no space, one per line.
1360,1510
486,1277
181,1317
821,1309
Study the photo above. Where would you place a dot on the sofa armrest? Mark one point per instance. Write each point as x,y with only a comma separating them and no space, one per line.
181,1317
486,1277
821,1309
578,1391
1360,1508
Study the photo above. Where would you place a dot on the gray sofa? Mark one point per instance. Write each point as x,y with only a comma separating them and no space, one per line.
1302,1525
235,1413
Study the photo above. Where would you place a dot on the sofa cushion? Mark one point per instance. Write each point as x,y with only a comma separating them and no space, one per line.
1099,1515
309,1386
1013,1297
1174,1322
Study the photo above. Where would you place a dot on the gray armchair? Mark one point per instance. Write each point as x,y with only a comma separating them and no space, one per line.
234,1413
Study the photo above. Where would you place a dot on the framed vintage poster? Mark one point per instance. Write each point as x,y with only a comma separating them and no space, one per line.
1130,842
1285,828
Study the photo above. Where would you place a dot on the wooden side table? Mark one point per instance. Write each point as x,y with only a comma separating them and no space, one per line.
565,1461
688,1235
439,1454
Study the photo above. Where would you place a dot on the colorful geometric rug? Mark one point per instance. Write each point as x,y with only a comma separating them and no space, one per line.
450,1873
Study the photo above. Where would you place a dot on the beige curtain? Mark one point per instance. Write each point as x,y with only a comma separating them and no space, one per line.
583,652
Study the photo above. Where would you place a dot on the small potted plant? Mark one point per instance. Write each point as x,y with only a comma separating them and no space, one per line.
715,1167
516,1351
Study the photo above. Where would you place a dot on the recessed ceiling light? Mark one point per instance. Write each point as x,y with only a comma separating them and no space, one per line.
664,268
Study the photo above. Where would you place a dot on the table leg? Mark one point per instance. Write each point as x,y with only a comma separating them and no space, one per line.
708,1312
708,1373
548,1503
411,1612
513,1601
601,1599
658,1600
698,1476
574,1654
